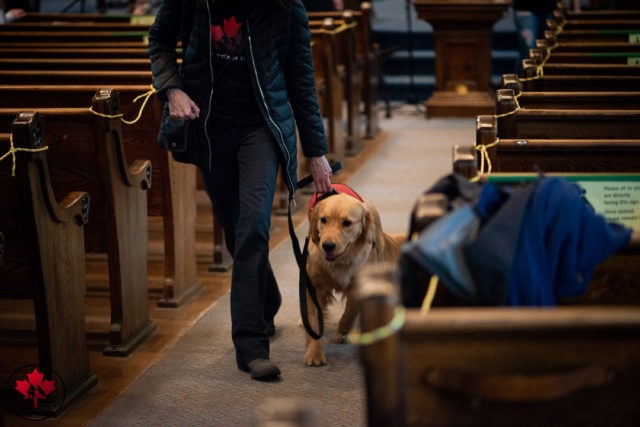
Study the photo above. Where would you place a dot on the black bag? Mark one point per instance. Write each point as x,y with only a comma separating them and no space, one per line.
183,138
173,134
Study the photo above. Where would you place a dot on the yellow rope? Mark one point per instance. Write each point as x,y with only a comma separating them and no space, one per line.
12,151
380,333
339,29
431,293
120,116
484,158
396,323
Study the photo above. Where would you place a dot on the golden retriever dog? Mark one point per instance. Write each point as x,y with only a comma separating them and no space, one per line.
345,234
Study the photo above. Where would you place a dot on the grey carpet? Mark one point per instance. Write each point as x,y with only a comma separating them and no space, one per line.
197,383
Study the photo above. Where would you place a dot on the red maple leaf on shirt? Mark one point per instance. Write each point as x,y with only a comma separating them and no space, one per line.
231,29
35,387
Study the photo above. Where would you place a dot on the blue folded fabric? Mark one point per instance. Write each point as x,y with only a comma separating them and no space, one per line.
561,241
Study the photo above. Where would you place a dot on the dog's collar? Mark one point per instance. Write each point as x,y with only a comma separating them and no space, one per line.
335,189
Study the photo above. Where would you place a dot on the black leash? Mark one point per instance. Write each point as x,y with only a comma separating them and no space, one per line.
305,284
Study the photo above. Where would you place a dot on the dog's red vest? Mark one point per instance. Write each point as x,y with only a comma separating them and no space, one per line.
335,189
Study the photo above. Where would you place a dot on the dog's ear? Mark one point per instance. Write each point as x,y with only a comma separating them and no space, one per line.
367,225
313,226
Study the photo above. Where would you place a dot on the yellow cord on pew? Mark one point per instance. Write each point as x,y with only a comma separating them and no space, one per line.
431,293
339,29
12,151
380,333
540,68
120,116
484,157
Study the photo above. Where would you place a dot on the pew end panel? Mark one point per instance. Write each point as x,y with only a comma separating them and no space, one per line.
125,186
44,260
487,136
511,81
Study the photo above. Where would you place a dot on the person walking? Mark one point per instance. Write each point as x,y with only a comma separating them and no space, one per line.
246,72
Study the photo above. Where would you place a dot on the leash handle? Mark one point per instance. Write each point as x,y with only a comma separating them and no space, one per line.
309,178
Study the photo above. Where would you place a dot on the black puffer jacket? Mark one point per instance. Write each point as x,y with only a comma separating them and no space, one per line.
281,67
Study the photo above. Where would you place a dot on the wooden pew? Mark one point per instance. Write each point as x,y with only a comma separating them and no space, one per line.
594,24
563,123
480,366
576,100
368,62
578,83
551,155
329,82
44,258
85,64
89,77
530,67
49,44
86,151
73,52
345,45
590,47
81,17
491,365
590,36
563,13
113,37
84,26
173,193
620,57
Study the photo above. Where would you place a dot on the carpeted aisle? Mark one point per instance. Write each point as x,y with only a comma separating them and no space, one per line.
197,382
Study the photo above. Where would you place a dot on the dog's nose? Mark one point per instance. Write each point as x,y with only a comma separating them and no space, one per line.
328,247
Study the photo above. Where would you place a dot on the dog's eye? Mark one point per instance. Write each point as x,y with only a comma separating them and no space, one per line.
323,220
346,223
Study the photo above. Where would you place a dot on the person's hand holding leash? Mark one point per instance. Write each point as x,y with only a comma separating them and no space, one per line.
181,106
321,172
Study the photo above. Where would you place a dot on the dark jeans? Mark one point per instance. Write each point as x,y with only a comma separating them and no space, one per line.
241,187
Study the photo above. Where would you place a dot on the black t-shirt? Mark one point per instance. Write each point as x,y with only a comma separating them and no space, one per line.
536,6
317,5
233,98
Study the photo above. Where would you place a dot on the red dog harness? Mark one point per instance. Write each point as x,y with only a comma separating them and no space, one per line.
335,189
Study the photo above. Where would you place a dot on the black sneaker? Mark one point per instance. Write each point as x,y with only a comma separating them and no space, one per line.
260,369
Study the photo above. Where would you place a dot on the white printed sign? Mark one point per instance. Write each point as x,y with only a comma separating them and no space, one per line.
618,201
633,60
634,38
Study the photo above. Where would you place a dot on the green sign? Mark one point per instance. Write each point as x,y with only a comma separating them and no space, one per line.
615,196
618,201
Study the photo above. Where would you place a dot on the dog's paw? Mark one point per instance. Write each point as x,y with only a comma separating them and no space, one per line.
315,359
341,338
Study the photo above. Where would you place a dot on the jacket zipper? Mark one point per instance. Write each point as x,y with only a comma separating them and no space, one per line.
266,107
206,120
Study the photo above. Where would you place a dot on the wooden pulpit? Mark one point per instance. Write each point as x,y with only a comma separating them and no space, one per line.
462,34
